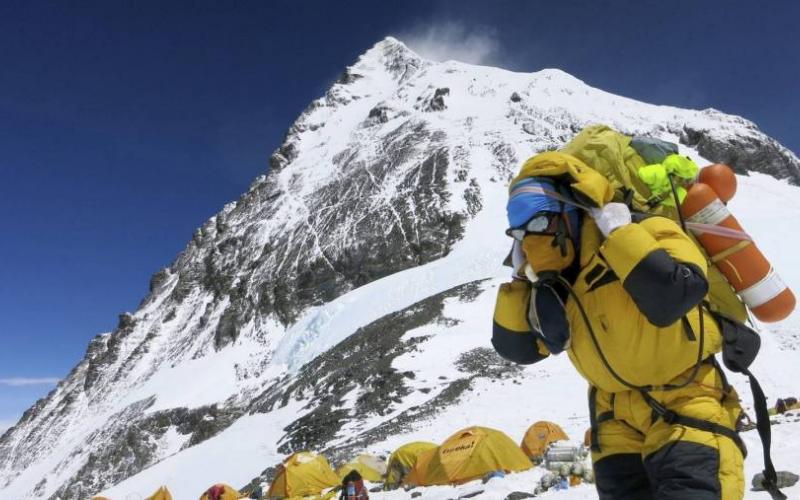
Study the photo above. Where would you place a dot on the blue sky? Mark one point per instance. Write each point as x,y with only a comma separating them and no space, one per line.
125,125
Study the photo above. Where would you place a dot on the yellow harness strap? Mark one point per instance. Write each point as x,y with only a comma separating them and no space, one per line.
730,251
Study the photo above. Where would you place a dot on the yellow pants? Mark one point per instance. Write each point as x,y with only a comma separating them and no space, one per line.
642,457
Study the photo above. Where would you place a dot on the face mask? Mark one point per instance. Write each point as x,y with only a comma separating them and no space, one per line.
544,253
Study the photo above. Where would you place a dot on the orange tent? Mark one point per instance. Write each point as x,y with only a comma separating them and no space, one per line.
539,436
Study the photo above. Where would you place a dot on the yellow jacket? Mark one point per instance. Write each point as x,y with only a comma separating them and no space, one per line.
639,290
636,305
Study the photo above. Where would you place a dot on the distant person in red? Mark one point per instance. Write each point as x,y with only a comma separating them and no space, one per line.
215,492
353,487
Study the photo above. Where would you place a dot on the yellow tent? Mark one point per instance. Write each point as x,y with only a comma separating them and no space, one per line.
304,473
539,436
161,494
370,467
100,498
468,454
402,461
228,493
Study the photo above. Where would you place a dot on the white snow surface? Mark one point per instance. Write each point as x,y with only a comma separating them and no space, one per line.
478,120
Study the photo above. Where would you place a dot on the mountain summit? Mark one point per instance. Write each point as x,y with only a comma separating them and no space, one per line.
343,303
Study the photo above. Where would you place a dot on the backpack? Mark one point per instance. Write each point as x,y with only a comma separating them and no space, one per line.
618,158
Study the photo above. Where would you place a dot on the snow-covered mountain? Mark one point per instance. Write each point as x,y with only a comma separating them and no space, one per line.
343,303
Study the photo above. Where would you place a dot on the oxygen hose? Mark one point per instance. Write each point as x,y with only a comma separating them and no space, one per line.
618,377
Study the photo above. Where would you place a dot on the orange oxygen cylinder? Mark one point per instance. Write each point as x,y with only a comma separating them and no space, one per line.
721,179
740,261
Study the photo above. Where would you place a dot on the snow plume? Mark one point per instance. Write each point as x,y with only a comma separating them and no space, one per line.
442,42
27,381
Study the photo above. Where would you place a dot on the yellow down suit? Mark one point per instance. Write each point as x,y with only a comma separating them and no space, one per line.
636,334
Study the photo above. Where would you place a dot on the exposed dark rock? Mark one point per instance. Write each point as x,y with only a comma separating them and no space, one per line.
361,362
348,77
158,279
485,362
103,350
229,324
437,101
170,315
126,321
519,495
283,156
379,113
412,230
757,153
472,195
515,97
40,487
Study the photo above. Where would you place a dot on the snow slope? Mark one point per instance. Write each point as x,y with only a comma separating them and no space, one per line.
548,391
379,227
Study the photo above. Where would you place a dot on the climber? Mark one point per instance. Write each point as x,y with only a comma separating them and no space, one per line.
622,292
215,492
353,487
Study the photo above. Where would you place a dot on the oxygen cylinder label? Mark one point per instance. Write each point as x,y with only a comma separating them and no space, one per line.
712,214
763,291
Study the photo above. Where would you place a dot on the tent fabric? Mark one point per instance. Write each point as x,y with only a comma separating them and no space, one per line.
160,494
402,460
468,454
370,467
539,436
228,493
302,474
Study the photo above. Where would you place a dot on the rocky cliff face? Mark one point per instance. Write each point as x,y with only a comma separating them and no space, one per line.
747,150
399,169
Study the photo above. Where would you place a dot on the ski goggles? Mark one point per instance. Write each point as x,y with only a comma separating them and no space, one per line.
541,223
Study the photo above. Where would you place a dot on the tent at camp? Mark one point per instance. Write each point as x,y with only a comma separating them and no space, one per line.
160,494
370,467
539,436
468,454
228,492
303,473
100,498
402,461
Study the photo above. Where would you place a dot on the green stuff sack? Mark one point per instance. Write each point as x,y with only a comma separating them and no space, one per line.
610,154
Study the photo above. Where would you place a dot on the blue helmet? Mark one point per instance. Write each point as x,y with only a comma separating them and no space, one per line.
529,197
